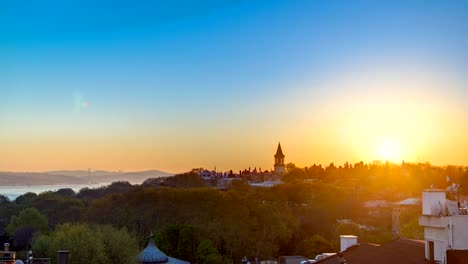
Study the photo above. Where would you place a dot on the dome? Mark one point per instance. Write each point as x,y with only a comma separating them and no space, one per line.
152,255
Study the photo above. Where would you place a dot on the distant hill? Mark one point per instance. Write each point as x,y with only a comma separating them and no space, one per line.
76,177
81,173
136,177
36,178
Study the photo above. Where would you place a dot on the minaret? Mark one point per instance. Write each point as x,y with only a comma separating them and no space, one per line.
279,161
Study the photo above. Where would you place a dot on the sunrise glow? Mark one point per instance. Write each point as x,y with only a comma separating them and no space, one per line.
188,87
389,150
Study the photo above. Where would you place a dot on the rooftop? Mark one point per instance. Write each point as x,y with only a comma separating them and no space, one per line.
397,251
434,190
152,255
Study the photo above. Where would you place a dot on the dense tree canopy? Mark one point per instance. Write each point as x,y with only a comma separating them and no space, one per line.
297,217
25,225
102,244
29,217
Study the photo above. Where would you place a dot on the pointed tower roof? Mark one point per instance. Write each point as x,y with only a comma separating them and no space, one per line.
151,254
279,152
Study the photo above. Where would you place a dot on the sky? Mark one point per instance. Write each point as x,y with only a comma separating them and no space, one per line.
175,85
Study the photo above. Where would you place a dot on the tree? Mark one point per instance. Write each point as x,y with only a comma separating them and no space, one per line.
85,245
24,226
161,242
412,230
184,180
316,245
7,210
4,199
59,209
205,249
68,192
26,198
294,173
185,243
119,245
216,258
101,245
43,246
347,229
171,235
239,185
207,253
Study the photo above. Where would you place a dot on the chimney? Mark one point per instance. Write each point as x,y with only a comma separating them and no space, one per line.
347,241
63,256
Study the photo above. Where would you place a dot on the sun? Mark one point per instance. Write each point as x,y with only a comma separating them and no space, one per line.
389,150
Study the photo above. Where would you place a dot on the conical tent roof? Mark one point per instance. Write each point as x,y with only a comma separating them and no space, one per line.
151,254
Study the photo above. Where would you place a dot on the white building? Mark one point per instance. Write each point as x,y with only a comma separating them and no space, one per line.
444,227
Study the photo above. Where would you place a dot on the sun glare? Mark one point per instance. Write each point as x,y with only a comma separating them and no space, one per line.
389,150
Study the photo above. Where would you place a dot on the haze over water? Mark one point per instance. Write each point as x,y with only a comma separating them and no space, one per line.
12,192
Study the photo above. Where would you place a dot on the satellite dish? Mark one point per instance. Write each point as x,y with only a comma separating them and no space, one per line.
18,261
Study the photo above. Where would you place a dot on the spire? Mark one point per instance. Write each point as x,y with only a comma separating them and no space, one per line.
279,152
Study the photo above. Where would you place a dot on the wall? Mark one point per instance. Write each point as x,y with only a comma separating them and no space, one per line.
460,231
433,202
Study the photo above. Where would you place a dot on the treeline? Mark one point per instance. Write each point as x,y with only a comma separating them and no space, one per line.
383,181
243,221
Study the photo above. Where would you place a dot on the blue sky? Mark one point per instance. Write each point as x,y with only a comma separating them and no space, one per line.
174,73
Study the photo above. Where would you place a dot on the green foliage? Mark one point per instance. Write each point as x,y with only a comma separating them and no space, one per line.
4,199
314,246
186,243
290,166
119,245
101,245
59,209
410,227
184,180
379,236
7,210
26,199
177,241
216,259
161,242
294,173
239,185
412,230
347,229
84,244
43,246
29,217
206,249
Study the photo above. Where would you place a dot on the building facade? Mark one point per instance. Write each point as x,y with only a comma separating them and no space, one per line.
444,227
